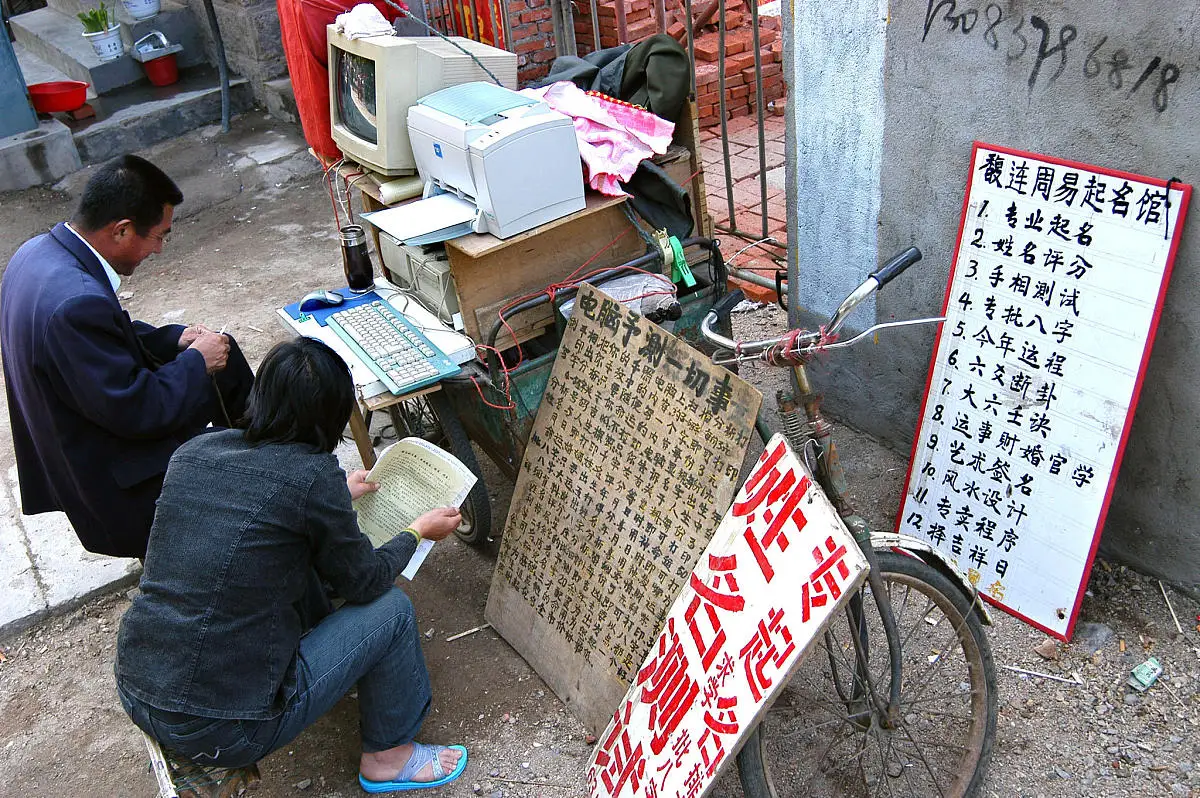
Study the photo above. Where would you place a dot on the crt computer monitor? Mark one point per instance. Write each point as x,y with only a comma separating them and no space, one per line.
374,80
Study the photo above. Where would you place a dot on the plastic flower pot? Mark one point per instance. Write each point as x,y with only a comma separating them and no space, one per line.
106,43
162,71
158,58
141,9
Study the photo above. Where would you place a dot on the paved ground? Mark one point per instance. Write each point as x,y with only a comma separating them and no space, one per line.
736,193
42,566
257,241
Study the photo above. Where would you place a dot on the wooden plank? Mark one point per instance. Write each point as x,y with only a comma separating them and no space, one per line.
632,461
526,325
478,245
487,270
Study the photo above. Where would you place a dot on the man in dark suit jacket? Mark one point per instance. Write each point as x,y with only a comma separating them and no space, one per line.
98,402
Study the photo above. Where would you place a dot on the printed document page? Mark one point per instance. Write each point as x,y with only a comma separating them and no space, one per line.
414,477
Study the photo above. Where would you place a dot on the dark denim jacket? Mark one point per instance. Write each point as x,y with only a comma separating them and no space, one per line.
237,532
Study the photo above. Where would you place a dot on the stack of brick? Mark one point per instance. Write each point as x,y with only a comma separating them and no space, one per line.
640,22
740,96
740,89
532,26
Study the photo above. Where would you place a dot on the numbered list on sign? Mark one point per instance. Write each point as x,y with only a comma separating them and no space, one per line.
1055,288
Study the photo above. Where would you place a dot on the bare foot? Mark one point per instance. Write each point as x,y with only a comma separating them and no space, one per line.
386,765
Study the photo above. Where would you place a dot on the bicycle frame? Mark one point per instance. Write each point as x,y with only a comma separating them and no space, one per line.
815,430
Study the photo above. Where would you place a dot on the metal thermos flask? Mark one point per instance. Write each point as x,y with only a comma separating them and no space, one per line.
360,276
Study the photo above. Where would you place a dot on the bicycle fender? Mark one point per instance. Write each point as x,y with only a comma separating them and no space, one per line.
909,544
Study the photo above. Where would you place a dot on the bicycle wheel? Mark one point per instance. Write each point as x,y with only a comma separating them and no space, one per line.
822,737
476,523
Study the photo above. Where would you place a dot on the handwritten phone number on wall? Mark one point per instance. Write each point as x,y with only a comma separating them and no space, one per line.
1022,37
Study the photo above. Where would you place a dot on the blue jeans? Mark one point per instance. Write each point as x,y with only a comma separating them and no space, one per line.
376,645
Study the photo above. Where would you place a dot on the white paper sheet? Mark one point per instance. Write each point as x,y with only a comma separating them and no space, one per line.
422,219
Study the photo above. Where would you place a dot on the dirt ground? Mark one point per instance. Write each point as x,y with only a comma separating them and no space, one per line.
62,731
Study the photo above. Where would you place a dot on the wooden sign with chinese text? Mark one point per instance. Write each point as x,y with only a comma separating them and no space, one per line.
1051,309
633,458
781,563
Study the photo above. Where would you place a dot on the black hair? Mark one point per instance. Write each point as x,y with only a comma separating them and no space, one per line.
127,187
303,393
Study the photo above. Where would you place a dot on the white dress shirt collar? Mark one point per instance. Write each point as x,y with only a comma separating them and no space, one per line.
114,279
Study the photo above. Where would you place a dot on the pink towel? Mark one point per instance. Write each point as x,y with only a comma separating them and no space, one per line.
614,136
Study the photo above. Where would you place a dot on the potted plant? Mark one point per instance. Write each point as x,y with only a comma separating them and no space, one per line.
100,27
141,9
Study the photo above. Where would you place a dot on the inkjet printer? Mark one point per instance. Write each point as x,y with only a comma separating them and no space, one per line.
492,160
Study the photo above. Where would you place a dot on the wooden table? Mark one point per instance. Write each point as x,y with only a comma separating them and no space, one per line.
489,272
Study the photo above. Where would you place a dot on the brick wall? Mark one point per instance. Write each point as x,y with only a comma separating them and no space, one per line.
533,41
740,95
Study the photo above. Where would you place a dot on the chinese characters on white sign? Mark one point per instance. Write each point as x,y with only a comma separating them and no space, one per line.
777,568
1050,313
635,454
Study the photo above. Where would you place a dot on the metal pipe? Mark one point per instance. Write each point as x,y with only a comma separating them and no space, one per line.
759,107
222,64
724,121
752,277
595,25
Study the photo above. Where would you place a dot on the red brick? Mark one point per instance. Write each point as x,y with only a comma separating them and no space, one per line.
707,47
676,30
642,30
706,73
768,23
737,42
739,92
738,63
530,46
734,80
733,19
765,37
772,69
545,27
517,6
543,56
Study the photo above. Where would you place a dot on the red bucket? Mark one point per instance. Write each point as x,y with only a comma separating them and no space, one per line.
162,71
58,95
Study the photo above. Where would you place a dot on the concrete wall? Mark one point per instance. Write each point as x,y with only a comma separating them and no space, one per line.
1044,76
250,33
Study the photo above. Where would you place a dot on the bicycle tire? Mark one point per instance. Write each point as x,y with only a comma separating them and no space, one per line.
813,743
476,526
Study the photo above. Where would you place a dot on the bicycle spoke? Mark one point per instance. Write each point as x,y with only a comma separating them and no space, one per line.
820,745
941,745
926,677
928,768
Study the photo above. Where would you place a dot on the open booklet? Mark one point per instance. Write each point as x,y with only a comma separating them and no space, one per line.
414,477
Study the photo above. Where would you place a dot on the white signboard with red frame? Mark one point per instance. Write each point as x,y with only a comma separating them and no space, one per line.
1051,307
780,564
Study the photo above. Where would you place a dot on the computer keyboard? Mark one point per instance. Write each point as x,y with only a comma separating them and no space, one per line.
391,347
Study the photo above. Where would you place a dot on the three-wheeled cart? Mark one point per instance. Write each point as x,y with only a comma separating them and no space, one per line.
493,403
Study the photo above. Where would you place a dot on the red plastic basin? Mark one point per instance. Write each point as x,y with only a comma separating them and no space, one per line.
58,95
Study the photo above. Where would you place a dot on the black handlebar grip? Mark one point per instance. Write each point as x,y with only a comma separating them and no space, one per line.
727,303
896,265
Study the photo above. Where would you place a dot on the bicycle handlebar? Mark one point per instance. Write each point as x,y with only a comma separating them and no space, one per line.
896,266
808,341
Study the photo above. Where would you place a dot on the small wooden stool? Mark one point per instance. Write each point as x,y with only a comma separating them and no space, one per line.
184,779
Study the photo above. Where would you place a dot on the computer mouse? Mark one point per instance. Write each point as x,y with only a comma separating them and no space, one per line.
317,300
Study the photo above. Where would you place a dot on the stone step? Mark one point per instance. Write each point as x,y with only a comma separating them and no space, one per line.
35,70
139,116
56,38
175,20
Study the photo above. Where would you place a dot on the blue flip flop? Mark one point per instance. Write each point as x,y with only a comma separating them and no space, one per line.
422,755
